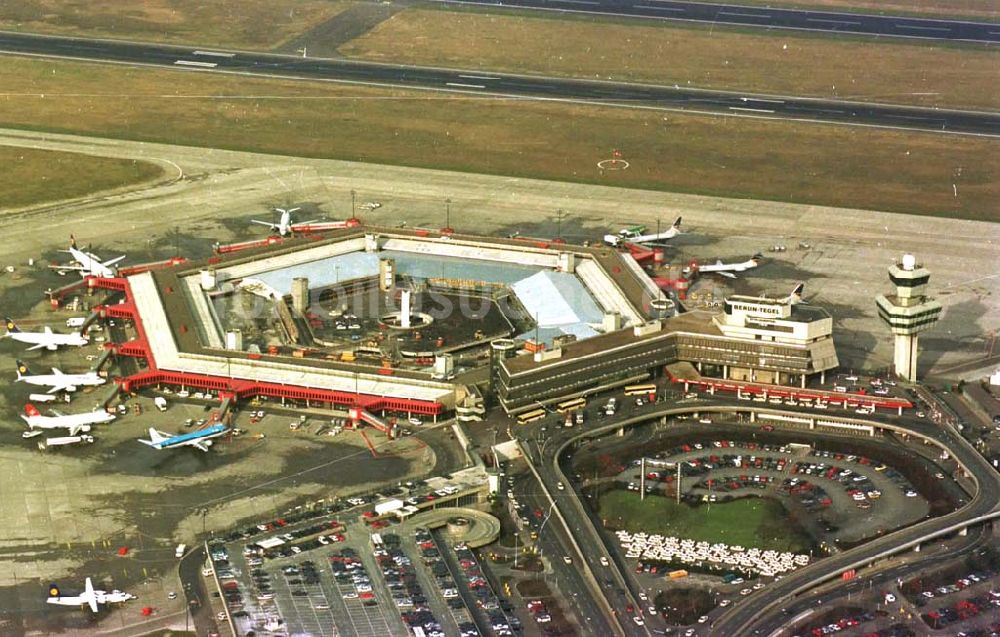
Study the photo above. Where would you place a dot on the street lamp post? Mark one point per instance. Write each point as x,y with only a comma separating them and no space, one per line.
354,197
447,214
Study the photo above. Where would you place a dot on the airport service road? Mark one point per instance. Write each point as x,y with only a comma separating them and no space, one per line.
574,594
489,83
766,17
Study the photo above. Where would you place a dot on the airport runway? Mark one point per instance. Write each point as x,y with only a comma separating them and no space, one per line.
766,17
509,85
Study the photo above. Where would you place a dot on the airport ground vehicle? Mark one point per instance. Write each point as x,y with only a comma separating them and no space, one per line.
571,405
531,416
640,390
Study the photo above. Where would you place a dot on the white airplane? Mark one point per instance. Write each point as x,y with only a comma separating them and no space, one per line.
47,339
76,423
727,269
89,597
88,263
284,225
630,235
200,439
58,381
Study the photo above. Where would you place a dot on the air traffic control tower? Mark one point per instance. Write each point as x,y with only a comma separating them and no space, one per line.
908,312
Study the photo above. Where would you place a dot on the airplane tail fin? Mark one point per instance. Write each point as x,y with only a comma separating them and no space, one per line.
11,325
89,587
72,242
54,590
22,370
796,294
677,223
154,438
31,410
757,256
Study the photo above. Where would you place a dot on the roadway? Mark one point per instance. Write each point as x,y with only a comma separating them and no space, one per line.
554,544
491,84
739,619
766,17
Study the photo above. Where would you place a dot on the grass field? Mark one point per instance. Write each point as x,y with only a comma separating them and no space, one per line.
784,63
245,24
735,157
36,176
750,522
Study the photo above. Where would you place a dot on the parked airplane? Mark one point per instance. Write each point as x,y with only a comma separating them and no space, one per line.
58,381
47,339
88,263
89,597
74,422
727,269
284,226
631,235
198,439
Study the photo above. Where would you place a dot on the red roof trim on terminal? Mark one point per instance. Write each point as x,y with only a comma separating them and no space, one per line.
230,386
783,391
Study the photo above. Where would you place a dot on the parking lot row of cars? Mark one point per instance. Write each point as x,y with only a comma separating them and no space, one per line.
447,588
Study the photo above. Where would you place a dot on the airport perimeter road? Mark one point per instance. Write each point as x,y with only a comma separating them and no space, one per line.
508,85
740,619
766,17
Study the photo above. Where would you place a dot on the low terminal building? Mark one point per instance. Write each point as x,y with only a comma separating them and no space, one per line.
775,341
356,321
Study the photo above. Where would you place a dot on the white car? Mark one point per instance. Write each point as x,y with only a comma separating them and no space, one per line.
350,595
604,561
638,621
889,598
643,596
703,619
416,422
724,603
567,559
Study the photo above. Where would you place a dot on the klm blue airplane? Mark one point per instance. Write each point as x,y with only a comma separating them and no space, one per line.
200,439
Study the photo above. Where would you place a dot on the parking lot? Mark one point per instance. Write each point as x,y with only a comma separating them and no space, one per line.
856,496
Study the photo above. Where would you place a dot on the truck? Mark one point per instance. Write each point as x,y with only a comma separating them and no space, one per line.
75,322
41,398
160,402
677,574
388,506
180,550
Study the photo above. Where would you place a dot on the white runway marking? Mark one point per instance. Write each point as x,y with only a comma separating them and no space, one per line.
752,110
460,85
215,54
206,65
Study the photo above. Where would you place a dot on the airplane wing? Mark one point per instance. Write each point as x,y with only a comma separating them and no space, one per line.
111,262
89,595
272,226
199,444
728,275
40,346
75,429
56,388
56,372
